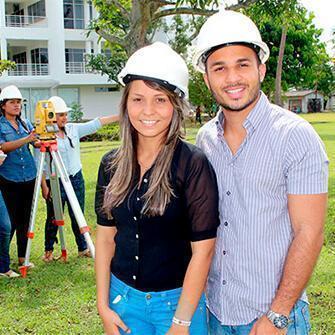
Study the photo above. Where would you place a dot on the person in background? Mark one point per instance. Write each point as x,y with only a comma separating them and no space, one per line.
273,172
156,206
68,141
5,229
18,172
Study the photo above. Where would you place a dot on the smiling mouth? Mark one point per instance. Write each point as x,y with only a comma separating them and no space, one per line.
149,122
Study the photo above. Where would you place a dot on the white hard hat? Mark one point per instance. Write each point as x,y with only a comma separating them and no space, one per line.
10,92
159,63
59,105
227,28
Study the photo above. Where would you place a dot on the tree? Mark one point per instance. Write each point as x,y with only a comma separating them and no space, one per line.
6,65
128,25
303,49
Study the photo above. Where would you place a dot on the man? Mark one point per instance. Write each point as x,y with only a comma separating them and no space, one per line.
272,173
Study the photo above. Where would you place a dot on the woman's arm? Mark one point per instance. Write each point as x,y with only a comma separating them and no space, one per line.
108,119
194,283
105,247
13,145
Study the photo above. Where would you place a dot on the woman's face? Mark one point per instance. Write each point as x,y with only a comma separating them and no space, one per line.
12,107
61,119
150,111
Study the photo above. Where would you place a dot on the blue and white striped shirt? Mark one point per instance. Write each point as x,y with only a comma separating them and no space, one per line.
281,155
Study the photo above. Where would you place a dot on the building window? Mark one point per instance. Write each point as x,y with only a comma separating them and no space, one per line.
74,59
106,89
74,14
20,58
39,60
69,94
37,9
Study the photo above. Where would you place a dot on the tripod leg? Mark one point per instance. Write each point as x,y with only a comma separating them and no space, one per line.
24,268
84,229
57,206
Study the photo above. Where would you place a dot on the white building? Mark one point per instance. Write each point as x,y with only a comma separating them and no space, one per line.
305,101
48,42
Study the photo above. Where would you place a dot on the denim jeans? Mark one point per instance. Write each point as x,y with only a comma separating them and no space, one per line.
78,185
5,229
151,313
299,323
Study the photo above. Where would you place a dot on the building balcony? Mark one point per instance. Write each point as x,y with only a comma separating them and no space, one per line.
25,21
30,70
76,68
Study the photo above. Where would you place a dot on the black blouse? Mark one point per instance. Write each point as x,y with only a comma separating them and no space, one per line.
152,253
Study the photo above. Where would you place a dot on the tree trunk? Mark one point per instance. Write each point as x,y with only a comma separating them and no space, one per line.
279,70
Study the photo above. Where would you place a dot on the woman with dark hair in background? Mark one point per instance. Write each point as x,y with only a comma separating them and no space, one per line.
157,207
18,172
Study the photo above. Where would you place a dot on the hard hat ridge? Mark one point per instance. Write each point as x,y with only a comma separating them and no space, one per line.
59,105
159,63
10,92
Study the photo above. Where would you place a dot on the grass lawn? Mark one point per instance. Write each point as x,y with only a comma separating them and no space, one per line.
60,298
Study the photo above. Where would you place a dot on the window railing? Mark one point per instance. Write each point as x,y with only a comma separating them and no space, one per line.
76,67
25,21
30,70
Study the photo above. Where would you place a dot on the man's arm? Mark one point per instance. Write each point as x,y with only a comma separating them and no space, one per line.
307,215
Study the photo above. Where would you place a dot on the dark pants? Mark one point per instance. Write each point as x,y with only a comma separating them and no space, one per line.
78,185
5,228
18,199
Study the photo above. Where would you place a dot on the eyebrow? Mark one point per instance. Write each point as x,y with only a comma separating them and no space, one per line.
239,60
142,95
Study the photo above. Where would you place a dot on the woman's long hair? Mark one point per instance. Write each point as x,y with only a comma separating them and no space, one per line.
18,118
124,162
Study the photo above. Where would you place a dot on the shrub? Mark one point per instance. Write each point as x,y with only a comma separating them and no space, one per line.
110,132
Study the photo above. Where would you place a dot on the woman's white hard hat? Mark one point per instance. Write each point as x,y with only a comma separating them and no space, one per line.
59,105
159,63
227,28
10,92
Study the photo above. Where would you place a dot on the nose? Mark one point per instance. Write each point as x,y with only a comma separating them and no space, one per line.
232,76
148,108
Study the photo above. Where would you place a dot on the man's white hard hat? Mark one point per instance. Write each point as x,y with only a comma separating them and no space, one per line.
159,63
59,105
227,28
10,92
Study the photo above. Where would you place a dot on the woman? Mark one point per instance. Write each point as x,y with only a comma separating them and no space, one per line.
68,141
5,228
18,172
156,204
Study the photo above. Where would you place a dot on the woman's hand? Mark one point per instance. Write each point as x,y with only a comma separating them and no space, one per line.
32,137
112,322
46,193
1,159
178,330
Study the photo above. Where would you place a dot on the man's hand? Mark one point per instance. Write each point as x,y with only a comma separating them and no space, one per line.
264,326
112,322
178,330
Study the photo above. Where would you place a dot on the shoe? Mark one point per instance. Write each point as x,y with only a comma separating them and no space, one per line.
21,263
84,253
48,256
10,274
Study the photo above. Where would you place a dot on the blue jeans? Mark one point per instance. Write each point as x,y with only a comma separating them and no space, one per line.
5,228
299,323
151,313
78,185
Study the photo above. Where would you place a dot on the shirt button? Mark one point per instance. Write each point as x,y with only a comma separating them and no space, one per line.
136,257
138,199
145,180
225,223
135,218
224,252
134,277
224,282
137,236
148,296
228,193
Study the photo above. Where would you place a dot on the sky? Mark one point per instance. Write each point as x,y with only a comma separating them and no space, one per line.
324,11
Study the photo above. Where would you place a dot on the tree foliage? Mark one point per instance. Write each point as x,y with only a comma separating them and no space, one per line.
6,65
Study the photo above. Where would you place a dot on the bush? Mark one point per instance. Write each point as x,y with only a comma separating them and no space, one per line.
110,132
76,112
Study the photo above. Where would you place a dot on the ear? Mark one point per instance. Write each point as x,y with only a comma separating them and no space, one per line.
262,71
205,76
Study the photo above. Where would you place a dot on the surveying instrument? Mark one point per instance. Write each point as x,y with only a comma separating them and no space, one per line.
46,128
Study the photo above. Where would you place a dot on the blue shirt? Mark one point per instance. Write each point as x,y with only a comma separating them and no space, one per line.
280,155
19,165
75,131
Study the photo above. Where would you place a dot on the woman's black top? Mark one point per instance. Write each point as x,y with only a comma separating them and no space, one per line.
152,253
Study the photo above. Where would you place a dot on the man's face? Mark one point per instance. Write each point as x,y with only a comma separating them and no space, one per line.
233,74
